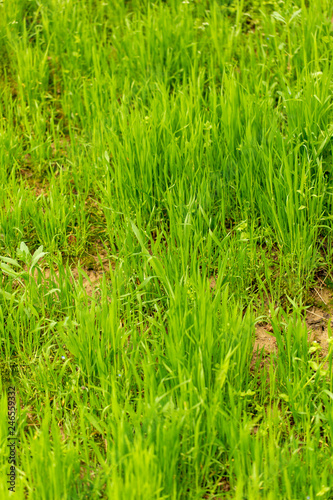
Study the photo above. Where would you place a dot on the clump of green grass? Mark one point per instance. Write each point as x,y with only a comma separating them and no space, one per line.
192,141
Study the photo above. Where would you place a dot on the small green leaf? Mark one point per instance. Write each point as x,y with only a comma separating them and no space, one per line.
10,261
8,270
314,349
329,393
278,17
37,256
247,393
7,295
295,14
324,489
52,291
94,422
23,252
313,365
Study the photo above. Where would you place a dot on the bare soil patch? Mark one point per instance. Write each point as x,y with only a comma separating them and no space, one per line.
317,319
91,274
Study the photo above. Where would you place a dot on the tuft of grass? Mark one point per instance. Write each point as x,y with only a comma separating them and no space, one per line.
189,144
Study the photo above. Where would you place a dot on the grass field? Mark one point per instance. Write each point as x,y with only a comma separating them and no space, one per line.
166,249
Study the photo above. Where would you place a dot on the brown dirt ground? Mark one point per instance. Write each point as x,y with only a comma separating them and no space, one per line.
94,272
317,319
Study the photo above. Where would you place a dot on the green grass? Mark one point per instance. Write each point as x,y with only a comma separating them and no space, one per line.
190,141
